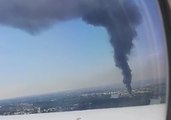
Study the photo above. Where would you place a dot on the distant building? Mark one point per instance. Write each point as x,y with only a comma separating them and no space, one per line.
114,96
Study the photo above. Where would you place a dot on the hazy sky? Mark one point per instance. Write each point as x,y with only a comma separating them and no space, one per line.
73,55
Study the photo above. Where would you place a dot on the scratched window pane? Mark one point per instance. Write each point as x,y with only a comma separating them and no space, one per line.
71,55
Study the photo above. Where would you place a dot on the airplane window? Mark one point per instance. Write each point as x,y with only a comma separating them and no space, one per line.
76,55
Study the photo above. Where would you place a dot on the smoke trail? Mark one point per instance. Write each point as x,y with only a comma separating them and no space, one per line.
120,21
119,17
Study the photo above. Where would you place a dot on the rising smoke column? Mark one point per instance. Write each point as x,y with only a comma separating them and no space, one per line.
119,17
120,21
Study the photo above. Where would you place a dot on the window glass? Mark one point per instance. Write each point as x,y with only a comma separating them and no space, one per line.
73,55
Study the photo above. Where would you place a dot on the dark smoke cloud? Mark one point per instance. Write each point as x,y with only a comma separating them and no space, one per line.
119,17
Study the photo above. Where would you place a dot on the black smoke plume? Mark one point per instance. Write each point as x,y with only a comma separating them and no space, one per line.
119,17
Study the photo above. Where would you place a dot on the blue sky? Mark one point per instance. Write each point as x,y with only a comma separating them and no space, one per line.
73,55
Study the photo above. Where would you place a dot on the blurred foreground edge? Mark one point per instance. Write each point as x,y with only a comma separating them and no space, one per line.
165,7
